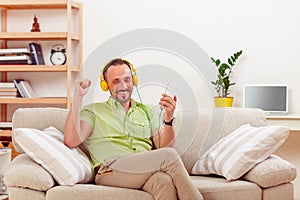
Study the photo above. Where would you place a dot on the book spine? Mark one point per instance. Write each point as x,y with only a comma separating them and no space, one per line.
33,56
36,54
14,58
14,50
7,85
17,85
8,93
8,89
13,62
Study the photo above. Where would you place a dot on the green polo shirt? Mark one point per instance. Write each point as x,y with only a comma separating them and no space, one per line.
117,134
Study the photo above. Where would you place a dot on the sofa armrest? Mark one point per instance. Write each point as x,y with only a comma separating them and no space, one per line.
24,172
38,118
271,172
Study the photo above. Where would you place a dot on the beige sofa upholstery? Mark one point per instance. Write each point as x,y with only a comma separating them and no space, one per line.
196,132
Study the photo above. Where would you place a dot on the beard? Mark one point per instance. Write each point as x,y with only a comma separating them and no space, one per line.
123,96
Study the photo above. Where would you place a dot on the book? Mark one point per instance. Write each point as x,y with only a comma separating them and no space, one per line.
16,82
14,62
15,51
18,57
26,89
37,57
7,85
8,89
5,124
9,94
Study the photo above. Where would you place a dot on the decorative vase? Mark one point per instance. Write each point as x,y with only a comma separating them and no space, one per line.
223,102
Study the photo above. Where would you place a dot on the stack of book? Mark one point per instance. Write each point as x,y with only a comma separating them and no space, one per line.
17,88
15,56
5,125
8,90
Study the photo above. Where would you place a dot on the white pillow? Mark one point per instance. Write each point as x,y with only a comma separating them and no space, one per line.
238,152
67,166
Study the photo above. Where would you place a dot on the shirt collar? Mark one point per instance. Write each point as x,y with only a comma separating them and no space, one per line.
116,104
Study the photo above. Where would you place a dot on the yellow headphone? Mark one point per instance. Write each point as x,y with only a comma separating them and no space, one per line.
104,84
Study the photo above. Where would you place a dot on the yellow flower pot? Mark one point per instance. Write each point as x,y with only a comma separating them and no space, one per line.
223,102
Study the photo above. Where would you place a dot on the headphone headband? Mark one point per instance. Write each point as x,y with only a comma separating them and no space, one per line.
116,61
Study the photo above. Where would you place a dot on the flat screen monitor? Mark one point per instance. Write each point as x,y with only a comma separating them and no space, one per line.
273,99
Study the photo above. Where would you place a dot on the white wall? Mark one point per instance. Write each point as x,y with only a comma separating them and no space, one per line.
268,32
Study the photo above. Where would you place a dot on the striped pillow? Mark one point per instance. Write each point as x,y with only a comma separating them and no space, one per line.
67,166
237,153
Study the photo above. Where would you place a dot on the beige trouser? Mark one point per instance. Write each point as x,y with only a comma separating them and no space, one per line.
159,172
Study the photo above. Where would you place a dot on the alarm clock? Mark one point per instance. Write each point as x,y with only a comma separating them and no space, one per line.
58,55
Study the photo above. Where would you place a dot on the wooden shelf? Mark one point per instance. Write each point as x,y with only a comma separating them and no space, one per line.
290,121
52,100
33,68
37,36
32,4
284,117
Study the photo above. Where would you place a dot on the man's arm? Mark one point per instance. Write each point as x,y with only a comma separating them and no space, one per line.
76,131
167,134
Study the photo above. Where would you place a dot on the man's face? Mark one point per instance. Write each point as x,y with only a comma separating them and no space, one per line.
120,83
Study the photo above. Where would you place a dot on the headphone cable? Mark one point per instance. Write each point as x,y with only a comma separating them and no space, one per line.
143,108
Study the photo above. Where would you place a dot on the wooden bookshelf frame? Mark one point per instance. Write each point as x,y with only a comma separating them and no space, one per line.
69,37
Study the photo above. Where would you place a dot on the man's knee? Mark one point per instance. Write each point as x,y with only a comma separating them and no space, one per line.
170,154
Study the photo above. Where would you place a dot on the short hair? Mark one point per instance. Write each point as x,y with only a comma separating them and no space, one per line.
116,61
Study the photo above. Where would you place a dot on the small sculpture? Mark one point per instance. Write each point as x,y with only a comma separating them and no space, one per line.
35,25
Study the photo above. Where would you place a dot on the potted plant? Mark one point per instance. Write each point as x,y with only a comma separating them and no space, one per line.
223,82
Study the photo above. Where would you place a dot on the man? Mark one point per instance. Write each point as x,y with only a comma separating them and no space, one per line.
121,133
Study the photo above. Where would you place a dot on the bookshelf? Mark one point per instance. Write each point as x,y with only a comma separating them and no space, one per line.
71,36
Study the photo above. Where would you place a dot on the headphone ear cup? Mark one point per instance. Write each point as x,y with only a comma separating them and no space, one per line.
104,85
135,80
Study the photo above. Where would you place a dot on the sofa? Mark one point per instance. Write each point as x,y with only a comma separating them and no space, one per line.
197,131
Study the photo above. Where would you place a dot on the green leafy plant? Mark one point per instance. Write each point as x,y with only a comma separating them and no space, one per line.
223,83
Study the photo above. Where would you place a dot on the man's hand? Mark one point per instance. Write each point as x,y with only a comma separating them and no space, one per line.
166,136
75,131
82,87
169,105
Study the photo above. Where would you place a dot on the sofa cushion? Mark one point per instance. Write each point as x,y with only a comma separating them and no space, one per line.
280,192
92,192
238,152
24,172
67,166
18,193
198,130
213,187
271,172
